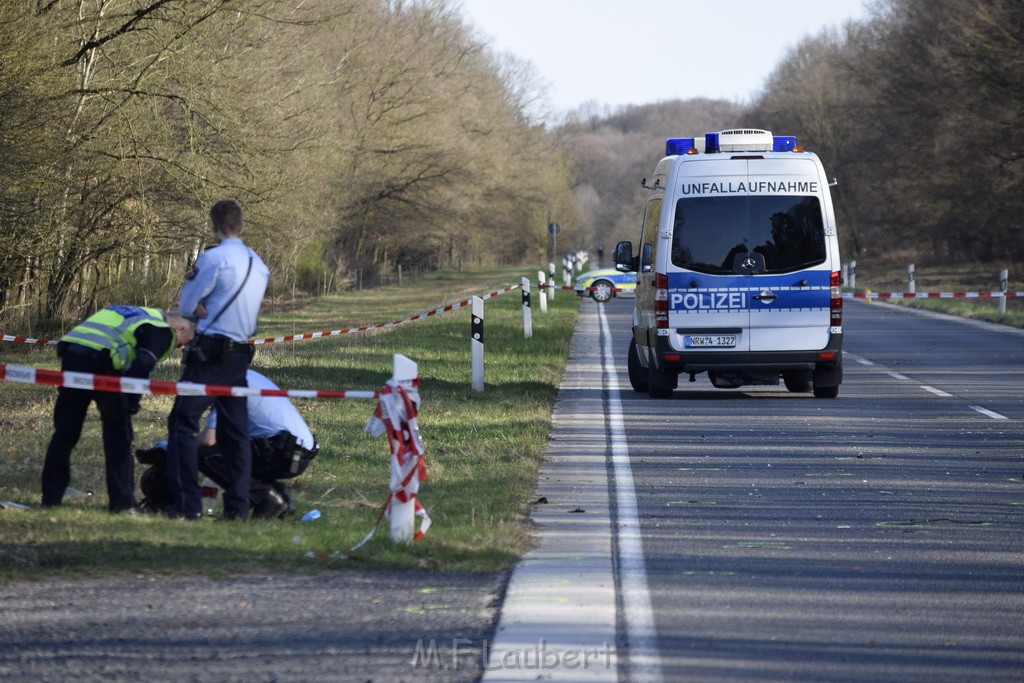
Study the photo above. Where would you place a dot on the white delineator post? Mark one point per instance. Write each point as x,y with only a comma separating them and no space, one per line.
476,342
396,416
1004,277
527,313
403,512
541,294
911,285
551,289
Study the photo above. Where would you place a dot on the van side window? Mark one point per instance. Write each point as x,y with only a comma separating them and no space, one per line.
649,239
786,230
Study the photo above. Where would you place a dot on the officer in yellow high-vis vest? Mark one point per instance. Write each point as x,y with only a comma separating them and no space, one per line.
116,340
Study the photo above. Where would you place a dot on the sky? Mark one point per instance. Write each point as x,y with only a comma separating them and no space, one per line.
619,52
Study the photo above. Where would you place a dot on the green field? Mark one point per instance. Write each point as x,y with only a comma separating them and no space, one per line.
483,449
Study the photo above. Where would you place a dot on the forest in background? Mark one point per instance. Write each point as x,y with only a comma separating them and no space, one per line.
916,112
366,136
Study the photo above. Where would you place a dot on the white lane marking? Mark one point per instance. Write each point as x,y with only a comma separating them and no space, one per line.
990,413
938,392
641,635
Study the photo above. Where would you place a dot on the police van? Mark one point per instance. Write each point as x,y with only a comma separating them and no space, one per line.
738,268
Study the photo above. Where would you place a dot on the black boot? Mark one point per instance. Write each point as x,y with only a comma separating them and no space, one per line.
272,506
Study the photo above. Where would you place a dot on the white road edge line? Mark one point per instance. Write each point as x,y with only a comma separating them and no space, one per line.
937,392
644,664
990,413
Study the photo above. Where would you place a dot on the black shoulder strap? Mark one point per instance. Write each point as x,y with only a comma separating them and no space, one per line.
233,296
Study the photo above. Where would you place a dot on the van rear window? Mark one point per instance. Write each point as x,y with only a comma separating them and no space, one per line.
715,235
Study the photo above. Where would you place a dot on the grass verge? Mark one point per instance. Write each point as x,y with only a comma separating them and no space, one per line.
483,449
950,278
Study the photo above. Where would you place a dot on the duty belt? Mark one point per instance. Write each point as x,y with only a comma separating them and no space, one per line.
80,350
223,345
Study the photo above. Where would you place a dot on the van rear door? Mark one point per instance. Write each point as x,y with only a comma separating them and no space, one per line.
749,258
789,310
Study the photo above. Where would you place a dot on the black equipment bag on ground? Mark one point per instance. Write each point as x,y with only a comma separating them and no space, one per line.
153,482
155,489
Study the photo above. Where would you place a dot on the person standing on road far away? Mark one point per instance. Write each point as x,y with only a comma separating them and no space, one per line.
116,340
223,293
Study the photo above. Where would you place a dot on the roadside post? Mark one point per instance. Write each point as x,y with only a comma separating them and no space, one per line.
853,274
1004,277
527,313
911,287
551,289
477,343
541,294
404,484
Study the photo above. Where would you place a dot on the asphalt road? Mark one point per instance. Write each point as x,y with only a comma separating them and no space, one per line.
873,537
329,627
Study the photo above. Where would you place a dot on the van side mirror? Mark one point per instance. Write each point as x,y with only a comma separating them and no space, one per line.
624,260
647,259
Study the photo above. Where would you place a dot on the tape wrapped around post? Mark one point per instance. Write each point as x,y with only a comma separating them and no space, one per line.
396,417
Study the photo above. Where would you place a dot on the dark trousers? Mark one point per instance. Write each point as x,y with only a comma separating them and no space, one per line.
182,445
68,417
211,464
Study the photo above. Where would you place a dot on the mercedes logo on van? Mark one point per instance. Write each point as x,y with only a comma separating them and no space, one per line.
748,264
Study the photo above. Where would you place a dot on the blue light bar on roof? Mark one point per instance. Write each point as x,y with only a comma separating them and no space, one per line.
674,146
783,143
711,143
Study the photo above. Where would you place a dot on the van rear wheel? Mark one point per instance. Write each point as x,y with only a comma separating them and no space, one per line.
659,384
796,385
826,392
637,372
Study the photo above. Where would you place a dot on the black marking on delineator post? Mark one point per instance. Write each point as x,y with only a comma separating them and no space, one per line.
527,312
476,331
541,294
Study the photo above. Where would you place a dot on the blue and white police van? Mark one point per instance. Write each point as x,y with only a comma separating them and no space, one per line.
738,268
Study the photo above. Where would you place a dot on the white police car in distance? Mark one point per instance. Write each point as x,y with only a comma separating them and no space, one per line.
604,284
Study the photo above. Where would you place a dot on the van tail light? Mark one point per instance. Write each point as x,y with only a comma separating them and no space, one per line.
836,306
661,301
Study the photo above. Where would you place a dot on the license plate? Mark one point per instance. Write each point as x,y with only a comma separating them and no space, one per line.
710,340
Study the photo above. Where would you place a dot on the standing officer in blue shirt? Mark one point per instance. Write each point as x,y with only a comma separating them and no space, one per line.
223,293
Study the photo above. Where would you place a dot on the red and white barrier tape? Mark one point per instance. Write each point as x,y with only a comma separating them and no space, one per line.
863,295
930,295
311,335
133,385
396,416
570,288
365,328
28,340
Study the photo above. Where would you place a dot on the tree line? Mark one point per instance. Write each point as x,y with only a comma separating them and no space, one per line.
915,111
359,135
363,136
